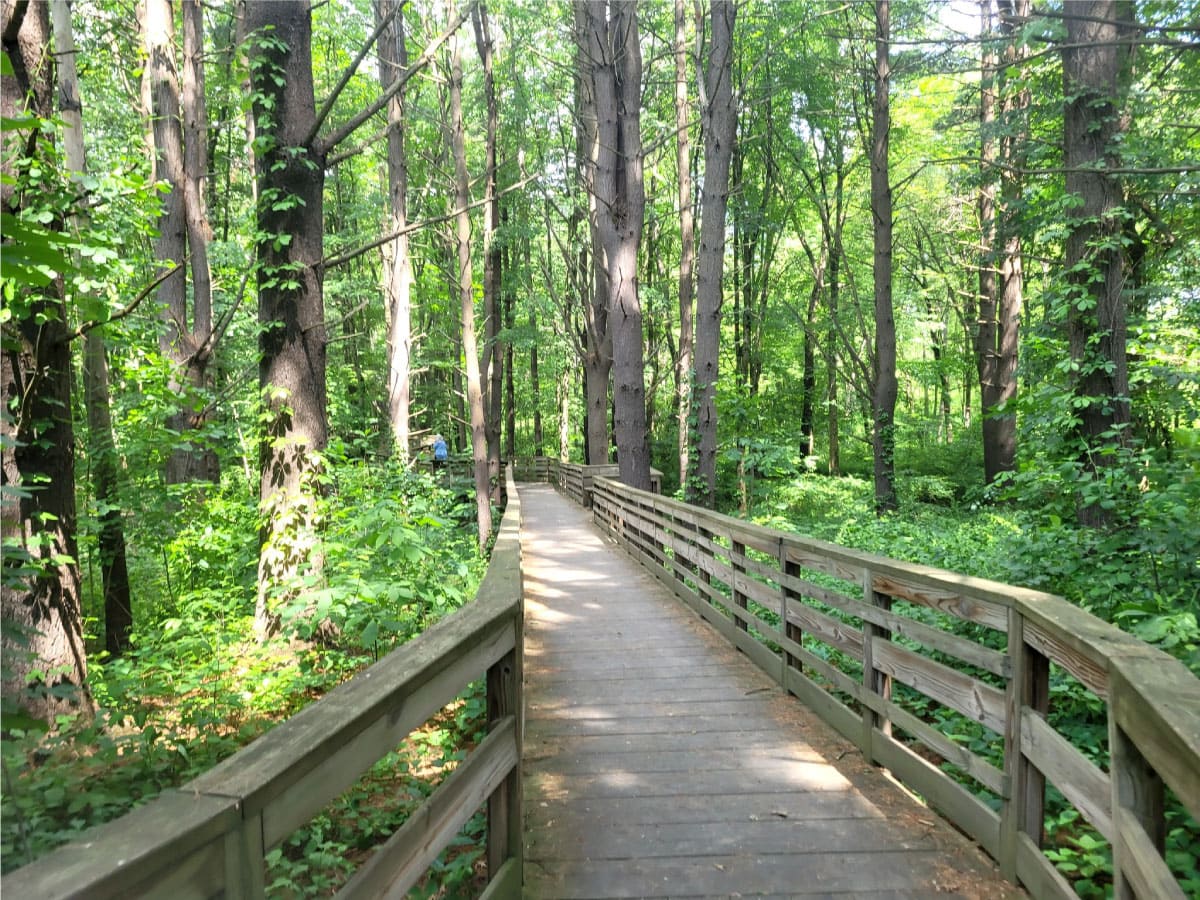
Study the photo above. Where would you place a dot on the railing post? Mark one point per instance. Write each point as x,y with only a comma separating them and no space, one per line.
791,631
874,681
736,548
1023,808
245,869
1137,794
504,828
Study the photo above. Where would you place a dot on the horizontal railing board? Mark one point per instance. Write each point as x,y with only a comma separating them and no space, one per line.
1143,866
1086,787
106,861
969,696
399,863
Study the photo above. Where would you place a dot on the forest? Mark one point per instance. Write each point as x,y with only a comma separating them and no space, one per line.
918,277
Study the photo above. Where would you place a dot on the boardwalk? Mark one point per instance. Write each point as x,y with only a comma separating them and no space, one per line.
659,762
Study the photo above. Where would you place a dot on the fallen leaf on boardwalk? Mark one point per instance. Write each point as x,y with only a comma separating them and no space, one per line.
776,812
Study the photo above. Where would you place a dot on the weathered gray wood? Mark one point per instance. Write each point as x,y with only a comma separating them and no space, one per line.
106,861
400,862
1038,874
1141,870
971,697
1085,786
736,785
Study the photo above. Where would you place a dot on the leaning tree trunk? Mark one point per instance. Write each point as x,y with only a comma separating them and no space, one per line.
884,388
466,292
45,669
102,455
720,125
291,310
1096,60
397,264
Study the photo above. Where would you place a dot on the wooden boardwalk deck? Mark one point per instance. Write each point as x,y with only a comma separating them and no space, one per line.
659,762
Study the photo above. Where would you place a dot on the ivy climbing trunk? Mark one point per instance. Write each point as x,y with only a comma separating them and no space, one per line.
44,668
277,37
1097,57
720,126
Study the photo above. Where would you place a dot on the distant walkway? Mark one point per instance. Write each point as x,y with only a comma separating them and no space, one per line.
659,762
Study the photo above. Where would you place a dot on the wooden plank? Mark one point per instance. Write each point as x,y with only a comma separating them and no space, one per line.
1156,702
967,695
831,710
919,590
1089,670
1142,865
955,754
505,884
941,792
401,861
1038,874
106,860
1085,786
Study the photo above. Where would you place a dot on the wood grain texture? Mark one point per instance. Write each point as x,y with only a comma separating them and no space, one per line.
660,762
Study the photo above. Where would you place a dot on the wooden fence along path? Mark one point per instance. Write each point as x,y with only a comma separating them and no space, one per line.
659,761
662,756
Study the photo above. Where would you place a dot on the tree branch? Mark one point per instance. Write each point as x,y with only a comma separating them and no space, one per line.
149,289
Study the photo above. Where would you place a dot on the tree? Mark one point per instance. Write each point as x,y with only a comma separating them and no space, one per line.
616,73
397,264
45,667
719,114
884,384
1097,59
290,172
180,154
456,136
114,571
687,240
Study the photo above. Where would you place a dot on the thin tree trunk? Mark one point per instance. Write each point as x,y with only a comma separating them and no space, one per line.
45,669
462,198
720,125
534,380
687,239
885,386
397,263
114,572
291,309
1097,59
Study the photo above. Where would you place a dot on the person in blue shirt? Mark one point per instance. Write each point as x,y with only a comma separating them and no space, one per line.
440,452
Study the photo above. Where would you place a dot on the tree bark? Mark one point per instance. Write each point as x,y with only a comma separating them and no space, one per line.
178,125
462,199
102,455
720,124
885,387
45,669
291,310
397,263
616,70
687,240
1097,58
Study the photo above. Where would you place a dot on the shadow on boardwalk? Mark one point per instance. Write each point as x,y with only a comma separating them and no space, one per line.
659,762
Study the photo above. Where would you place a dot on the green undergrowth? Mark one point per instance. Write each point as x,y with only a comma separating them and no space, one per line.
400,554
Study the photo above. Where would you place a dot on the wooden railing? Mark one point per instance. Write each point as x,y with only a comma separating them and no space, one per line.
576,480
874,646
208,838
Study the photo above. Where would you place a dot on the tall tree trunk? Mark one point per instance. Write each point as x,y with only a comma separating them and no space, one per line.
884,376
534,380
1097,58
808,380
397,263
291,310
183,228
510,390
832,402
494,355
44,670
616,70
462,199
720,125
102,455
597,342
687,240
